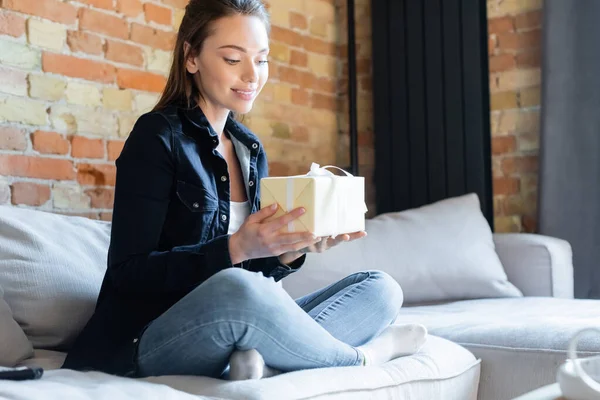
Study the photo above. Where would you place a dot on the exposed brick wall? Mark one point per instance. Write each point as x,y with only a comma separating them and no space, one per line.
514,43
75,75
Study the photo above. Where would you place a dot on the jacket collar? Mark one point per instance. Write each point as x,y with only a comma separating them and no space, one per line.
196,116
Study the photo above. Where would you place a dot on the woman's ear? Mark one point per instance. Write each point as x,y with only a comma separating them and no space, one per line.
190,61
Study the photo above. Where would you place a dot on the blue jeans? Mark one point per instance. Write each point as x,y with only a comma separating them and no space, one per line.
239,309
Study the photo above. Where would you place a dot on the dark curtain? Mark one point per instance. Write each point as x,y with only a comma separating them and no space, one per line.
431,102
569,205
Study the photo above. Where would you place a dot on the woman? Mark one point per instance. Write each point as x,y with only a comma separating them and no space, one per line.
193,261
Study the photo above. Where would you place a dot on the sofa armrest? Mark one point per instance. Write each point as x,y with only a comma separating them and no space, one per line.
538,265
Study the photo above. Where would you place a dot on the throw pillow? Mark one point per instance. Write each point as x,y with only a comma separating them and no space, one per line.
51,269
438,252
14,346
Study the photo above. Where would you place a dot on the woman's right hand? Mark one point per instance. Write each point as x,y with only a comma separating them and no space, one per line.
258,238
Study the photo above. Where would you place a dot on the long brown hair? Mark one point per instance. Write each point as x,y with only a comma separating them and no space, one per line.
194,29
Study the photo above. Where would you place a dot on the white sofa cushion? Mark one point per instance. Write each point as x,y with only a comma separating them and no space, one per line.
51,269
441,251
521,341
441,369
14,345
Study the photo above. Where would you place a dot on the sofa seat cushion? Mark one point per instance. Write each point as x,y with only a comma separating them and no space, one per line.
521,341
441,369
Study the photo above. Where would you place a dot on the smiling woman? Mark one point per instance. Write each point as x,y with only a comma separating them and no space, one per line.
190,287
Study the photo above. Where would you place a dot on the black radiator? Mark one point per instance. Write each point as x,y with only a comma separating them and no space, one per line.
431,102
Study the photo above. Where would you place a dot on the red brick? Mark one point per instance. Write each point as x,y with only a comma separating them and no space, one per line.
101,197
502,62
30,194
140,80
158,14
529,224
300,97
49,142
78,67
298,58
130,8
97,21
491,45
106,4
504,144
84,42
323,101
82,147
12,138
324,84
300,134
319,46
278,169
298,20
501,25
366,138
11,24
530,59
524,164
152,37
96,174
176,3
36,167
505,186
124,53
114,149
290,75
50,9
520,41
308,80
366,84
286,36
529,20
363,66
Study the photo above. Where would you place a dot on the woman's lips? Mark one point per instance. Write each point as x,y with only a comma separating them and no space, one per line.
246,95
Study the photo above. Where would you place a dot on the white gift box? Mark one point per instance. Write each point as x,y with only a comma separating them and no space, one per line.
334,204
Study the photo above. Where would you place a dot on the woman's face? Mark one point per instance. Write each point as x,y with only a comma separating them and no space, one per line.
232,63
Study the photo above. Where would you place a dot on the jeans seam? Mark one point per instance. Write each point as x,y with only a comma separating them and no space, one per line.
315,298
336,301
172,340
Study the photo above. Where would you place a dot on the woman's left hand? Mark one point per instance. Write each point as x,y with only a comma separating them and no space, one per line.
324,244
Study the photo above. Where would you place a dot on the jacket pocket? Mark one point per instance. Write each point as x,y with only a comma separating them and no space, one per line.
195,198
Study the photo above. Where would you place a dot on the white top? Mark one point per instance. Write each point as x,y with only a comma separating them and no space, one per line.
238,212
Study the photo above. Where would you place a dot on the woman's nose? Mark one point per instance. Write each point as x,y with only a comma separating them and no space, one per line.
250,73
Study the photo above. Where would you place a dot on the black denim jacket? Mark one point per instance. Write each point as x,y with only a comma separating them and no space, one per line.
169,230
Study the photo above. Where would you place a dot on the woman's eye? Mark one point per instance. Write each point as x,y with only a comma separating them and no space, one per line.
263,62
232,62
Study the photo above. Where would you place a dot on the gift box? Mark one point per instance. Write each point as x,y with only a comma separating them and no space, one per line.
335,204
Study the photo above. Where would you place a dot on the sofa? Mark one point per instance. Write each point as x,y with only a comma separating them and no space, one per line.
499,310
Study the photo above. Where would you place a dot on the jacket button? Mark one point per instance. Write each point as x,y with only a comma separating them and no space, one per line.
251,183
255,145
223,178
135,340
195,205
224,217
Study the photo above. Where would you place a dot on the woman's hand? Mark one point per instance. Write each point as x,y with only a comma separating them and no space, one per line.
258,238
322,244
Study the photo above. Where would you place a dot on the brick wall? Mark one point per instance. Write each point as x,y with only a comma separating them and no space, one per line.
514,43
61,127
75,75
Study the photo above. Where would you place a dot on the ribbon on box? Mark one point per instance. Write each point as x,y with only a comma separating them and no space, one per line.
341,204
